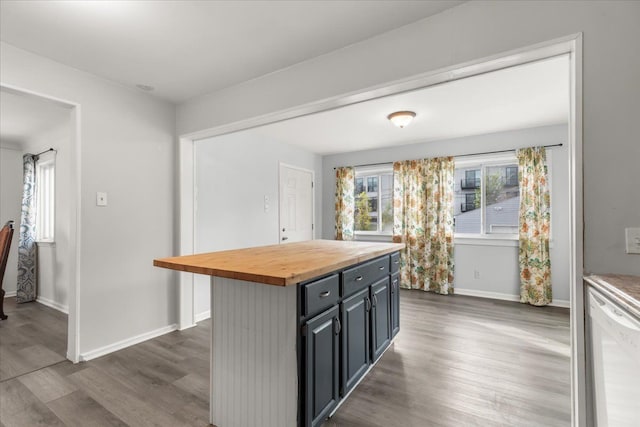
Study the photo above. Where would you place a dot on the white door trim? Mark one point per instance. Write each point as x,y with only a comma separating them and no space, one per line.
313,198
572,45
73,260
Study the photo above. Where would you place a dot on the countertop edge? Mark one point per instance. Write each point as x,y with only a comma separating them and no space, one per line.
272,279
600,282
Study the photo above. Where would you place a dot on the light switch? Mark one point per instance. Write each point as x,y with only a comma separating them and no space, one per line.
633,240
101,199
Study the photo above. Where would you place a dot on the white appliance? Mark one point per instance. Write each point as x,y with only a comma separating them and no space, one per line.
615,355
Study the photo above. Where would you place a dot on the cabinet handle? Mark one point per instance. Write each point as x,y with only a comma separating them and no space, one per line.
367,302
359,278
325,294
337,326
375,300
381,268
285,238
396,262
395,284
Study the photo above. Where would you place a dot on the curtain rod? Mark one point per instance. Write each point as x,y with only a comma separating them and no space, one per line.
461,155
45,151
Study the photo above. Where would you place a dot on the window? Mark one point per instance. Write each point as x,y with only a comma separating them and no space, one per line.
45,199
374,201
487,196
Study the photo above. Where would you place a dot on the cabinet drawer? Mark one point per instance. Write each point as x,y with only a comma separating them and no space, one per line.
320,294
357,278
395,262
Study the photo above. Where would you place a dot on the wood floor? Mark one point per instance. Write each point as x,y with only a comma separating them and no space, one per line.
34,336
458,361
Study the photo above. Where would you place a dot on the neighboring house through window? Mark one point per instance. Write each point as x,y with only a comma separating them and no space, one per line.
374,200
487,196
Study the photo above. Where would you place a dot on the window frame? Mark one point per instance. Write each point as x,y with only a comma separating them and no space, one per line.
367,171
483,162
45,201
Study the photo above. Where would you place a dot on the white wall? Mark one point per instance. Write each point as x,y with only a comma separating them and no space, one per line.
233,175
497,264
10,207
127,150
54,266
475,30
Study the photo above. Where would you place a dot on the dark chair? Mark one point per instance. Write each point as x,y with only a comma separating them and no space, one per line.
6,233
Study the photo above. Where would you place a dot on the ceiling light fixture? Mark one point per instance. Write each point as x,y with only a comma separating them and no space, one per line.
401,118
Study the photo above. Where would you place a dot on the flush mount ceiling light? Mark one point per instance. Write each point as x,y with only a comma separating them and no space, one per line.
401,118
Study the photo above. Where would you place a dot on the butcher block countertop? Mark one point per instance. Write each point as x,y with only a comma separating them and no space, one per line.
280,265
625,288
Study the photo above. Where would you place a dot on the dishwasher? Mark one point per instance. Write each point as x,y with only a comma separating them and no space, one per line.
615,358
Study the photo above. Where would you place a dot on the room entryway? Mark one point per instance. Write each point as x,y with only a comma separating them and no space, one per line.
296,204
39,192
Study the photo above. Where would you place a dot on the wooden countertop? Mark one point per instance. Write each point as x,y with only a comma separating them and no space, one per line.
280,265
625,288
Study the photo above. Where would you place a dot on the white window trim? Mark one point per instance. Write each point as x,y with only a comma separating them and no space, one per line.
364,171
483,161
489,160
49,159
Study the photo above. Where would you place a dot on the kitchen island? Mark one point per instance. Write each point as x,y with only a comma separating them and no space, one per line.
295,327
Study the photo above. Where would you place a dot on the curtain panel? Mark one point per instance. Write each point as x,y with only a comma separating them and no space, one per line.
345,203
27,250
423,194
535,220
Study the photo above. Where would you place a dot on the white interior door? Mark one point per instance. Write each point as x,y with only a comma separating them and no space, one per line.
296,204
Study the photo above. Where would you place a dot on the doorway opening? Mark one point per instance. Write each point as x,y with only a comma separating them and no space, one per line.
296,201
48,129
570,46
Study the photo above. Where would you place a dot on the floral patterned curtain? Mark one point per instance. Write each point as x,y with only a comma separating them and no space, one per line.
27,251
423,192
345,203
535,219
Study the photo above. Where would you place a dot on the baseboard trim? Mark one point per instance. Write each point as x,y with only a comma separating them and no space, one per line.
504,297
102,351
202,316
9,294
53,304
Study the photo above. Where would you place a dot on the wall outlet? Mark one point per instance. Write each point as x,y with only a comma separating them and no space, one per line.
633,240
476,274
101,199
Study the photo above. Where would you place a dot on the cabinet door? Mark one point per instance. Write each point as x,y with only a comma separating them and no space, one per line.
355,339
395,304
380,317
322,365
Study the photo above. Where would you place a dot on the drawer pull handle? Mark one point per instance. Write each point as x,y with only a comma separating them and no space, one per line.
359,278
396,262
381,268
325,294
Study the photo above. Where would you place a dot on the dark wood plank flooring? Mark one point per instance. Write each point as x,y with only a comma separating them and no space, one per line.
34,336
458,361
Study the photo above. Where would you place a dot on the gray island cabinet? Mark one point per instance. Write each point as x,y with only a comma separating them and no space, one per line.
290,353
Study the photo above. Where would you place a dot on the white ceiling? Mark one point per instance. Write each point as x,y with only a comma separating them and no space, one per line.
22,117
188,48
531,95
